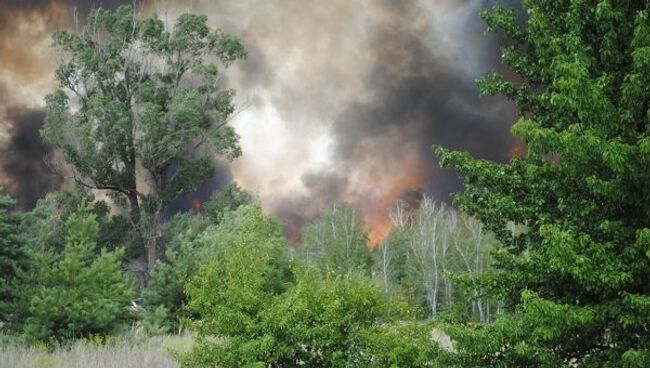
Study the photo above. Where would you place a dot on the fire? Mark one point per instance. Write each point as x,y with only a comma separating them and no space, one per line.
196,203
517,149
378,229
375,214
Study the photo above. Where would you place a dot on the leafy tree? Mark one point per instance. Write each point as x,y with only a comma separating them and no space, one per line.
576,280
12,257
149,105
227,199
248,267
430,253
331,321
76,292
401,344
187,249
336,242
45,225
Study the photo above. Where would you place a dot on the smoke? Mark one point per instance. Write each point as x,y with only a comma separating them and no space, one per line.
346,98
23,158
26,76
341,100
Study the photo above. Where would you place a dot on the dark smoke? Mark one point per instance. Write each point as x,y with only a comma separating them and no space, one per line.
429,99
380,78
222,177
23,159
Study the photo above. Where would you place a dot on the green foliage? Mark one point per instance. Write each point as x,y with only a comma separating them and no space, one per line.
227,199
182,259
248,267
187,249
45,225
75,292
429,256
335,321
13,258
254,309
149,101
156,322
403,344
336,242
576,280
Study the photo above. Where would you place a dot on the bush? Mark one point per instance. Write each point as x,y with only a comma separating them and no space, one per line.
77,292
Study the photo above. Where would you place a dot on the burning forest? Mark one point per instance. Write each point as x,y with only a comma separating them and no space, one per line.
288,183
337,103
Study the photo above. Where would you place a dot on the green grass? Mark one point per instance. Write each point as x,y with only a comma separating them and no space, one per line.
115,353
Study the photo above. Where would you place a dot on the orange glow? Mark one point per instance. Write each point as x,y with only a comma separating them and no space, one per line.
518,149
196,203
375,214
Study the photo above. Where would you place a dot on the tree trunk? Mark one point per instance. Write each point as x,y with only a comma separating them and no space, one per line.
155,243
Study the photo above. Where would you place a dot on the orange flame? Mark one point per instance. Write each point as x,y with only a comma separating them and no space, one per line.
375,214
518,149
196,203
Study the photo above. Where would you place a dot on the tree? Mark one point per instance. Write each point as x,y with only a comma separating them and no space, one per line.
149,107
76,292
320,321
430,254
187,249
45,225
227,199
576,280
249,265
336,242
13,257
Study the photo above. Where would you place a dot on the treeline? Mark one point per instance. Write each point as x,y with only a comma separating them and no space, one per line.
229,273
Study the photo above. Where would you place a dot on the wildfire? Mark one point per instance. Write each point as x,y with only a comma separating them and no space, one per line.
196,203
517,149
375,214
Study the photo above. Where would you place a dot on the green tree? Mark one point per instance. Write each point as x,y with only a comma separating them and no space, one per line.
576,279
336,242
13,258
45,225
331,321
248,266
76,292
149,106
187,249
227,199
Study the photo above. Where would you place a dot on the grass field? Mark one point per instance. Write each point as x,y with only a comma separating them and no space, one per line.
118,353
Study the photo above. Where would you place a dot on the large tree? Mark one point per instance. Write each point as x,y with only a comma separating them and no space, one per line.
576,278
140,112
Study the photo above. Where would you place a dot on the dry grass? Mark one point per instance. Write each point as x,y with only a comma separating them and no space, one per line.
117,353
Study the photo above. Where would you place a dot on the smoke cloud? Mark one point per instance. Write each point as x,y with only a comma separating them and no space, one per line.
340,100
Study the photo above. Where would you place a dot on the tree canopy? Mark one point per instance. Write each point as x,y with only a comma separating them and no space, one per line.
141,112
576,280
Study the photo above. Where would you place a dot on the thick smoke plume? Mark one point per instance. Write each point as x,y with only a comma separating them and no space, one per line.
342,100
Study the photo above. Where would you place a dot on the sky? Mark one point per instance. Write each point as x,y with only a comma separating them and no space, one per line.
339,102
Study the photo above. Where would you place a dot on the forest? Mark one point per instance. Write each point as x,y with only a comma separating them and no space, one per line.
539,261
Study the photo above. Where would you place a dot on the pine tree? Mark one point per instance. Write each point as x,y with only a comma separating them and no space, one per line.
576,280
77,292
12,257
